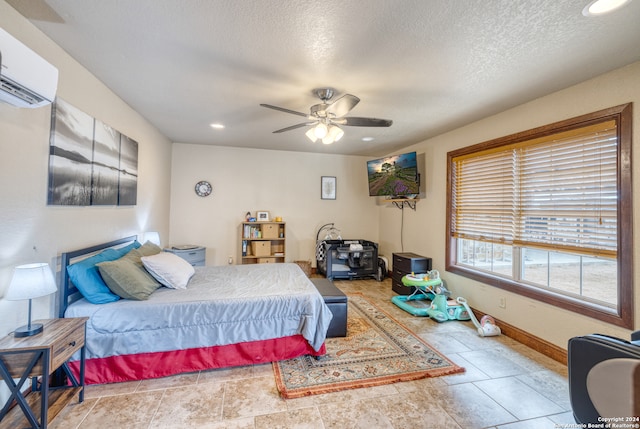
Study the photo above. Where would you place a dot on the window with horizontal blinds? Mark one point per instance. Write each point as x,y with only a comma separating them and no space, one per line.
547,213
557,192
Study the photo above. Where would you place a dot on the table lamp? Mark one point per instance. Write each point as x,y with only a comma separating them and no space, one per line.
28,282
152,236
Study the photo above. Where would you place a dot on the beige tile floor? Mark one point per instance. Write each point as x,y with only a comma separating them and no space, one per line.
506,386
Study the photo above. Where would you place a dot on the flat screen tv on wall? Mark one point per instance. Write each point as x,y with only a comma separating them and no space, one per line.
394,176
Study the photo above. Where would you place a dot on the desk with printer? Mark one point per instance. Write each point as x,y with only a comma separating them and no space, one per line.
348,259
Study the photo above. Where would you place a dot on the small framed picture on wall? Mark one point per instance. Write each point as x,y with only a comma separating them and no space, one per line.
262,216
328,188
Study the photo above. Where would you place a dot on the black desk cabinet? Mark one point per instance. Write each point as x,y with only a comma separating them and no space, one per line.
407,263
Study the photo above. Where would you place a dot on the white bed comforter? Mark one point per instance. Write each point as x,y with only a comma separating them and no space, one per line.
221,305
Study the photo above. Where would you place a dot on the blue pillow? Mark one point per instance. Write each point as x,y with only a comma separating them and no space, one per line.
86,277
129,247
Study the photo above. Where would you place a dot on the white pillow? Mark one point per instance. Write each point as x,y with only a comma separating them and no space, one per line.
170,270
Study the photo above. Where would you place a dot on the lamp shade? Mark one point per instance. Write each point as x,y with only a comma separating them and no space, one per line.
31,281
152,236
311,135
335,133
338,134
320,130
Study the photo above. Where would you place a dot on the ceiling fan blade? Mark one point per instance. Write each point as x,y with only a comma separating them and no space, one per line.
282,109
293,127
343,105
354,121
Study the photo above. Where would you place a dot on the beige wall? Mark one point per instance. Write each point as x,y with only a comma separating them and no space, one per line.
31,231
425,228
287,184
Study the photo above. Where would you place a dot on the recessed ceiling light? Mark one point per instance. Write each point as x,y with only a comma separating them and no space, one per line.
367,139
217,126
601,7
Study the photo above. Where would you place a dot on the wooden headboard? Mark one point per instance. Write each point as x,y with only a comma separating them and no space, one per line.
68,292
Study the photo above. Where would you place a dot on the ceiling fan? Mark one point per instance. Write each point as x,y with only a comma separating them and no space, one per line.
325,117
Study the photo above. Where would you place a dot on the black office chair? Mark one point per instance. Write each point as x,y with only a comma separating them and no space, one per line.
604,377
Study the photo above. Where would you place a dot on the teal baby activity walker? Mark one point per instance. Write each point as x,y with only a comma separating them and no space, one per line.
428,286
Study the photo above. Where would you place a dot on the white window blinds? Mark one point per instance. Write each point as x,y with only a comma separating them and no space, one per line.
558,192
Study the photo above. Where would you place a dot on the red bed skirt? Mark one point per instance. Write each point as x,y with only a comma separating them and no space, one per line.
143,366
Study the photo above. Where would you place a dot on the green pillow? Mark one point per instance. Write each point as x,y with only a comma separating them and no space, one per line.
149,249
127,278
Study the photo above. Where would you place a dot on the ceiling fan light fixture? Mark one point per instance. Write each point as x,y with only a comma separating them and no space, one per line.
325,118
334,134
320,130
311,135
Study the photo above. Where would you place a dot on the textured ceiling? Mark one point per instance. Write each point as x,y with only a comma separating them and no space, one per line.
429,65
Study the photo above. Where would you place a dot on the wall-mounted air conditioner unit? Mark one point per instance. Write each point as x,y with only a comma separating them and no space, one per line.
26,79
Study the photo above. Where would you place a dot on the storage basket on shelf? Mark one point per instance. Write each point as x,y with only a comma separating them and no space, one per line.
261,248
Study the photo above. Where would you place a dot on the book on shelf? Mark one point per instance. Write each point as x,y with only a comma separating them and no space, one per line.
250,231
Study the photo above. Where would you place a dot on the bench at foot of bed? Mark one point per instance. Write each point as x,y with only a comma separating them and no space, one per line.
336,300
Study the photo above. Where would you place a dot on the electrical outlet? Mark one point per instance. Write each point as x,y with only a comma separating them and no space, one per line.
230,260
502,303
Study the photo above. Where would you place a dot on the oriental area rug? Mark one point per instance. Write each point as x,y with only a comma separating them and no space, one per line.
377,350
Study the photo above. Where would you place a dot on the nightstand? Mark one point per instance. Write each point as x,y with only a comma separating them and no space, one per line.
37,357
194,255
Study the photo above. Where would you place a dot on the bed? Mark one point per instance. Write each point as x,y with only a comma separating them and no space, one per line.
226,316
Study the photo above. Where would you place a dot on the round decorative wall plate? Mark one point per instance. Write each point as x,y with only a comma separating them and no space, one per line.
203,188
